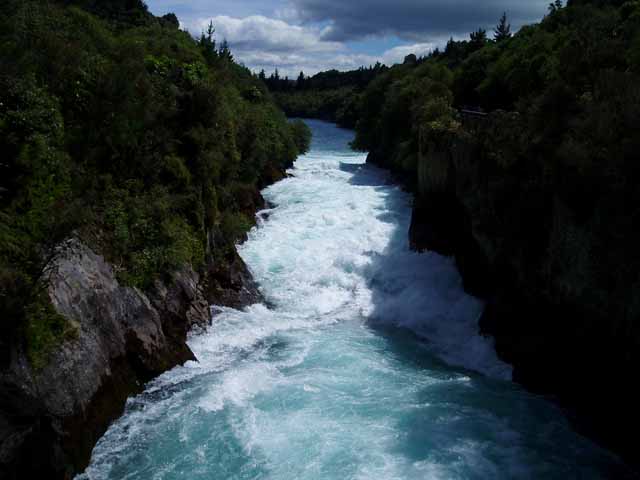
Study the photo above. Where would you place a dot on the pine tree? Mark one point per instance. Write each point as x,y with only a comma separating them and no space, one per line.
300,83
478,38
262,75
503,29
210,31
225,51
208,44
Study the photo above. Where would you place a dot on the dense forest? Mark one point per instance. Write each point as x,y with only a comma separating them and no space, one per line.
332,95
523,154
120,129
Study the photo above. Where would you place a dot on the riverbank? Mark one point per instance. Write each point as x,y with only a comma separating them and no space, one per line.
52,416
550,313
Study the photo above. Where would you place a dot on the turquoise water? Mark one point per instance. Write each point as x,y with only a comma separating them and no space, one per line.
366,365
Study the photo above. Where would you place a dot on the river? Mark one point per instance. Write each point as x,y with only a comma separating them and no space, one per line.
367,363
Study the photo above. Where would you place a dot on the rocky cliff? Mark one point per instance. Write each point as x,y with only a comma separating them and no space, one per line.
561,290
51,417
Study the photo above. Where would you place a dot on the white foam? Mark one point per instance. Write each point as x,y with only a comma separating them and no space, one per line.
337,242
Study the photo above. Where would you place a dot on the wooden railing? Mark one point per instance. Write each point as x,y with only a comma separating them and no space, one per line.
473,113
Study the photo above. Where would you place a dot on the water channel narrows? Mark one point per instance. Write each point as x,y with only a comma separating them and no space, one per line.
367,364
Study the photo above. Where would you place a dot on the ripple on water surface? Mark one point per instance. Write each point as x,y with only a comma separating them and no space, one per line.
367,366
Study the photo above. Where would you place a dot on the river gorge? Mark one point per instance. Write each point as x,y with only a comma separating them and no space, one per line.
365,362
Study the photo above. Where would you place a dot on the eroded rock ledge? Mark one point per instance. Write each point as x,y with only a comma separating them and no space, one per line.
51,418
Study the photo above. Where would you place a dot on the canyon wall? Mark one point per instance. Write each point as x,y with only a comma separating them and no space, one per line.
52,416
552,272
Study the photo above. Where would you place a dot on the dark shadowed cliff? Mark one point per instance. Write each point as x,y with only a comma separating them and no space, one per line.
537,199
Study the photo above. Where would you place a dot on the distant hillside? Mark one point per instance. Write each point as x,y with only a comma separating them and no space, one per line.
333,96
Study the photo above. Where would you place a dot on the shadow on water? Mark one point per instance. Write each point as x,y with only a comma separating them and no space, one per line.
366,175
493,427
490,428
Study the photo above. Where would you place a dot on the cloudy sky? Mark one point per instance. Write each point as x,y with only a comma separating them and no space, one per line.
316,35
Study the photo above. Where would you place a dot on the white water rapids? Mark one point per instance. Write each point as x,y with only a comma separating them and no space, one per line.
367,365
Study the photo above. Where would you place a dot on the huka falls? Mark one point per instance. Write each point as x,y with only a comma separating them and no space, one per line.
365,361
306,240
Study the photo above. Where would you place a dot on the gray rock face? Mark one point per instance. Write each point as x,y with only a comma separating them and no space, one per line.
227,280
231,284
51,418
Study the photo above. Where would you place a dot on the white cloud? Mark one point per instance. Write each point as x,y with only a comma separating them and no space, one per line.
397,54
268,34
267,43
310,35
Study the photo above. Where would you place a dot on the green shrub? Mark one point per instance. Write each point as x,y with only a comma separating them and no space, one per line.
235,225
301,135
46,330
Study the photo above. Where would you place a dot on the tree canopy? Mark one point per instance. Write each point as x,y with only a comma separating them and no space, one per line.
120,128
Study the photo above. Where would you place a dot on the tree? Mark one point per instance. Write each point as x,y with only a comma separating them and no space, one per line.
274,82
171,19
555,6
225,51
301,82
503,29
208,44
478,39
262,75
410,59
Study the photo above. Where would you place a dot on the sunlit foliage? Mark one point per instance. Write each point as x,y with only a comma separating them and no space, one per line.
120,128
